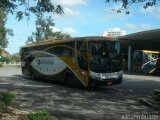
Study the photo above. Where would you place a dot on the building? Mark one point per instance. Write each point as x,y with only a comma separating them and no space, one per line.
115,32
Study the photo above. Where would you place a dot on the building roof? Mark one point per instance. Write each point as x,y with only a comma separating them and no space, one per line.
142,40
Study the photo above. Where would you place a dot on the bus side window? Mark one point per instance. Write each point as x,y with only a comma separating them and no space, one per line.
55,50
68,49
62,51
67,52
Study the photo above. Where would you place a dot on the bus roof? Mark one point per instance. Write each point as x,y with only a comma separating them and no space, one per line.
64,40
150,51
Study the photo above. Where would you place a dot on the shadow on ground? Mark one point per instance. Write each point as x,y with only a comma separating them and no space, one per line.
110,102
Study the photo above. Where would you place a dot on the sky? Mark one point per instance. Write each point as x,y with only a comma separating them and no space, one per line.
87,18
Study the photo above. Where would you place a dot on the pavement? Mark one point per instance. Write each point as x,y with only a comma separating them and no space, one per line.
96,103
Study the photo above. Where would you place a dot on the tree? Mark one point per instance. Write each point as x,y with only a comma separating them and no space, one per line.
3,30
5,59
23,8
44,30
36,7
15,57
127,3
3,42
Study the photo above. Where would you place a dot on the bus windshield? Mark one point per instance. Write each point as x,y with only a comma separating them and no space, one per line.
105,56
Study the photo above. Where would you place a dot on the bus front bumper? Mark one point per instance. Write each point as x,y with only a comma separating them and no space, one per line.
106,82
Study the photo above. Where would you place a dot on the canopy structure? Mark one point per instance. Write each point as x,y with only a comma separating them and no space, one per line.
149,40
145,40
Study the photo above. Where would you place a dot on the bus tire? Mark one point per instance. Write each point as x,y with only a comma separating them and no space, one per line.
119,81
32,74
25,71
69,80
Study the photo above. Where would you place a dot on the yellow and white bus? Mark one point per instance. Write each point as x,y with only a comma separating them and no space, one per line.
83,60
146,61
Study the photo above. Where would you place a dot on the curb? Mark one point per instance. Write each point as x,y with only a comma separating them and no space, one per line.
147,102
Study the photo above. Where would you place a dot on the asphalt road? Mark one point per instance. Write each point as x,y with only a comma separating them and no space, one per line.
109,102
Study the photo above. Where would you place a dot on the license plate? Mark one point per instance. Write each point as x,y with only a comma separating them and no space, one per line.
109,83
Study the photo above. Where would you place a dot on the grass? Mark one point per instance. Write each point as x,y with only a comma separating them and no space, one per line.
1,65
6,100
39,115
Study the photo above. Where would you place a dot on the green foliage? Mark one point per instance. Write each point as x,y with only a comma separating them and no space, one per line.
5,59
6,98
125,4
0,51
3,30
60,35
44,30
29,40
39,115
1,65
47,6
15,57
3,40
37,7
12,58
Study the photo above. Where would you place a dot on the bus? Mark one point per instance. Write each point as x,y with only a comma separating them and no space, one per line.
146,61
82,60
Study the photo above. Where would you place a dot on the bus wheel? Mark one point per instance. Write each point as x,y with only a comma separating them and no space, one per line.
69,80
119,81
32,74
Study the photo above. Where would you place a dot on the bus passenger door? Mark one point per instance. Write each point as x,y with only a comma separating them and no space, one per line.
82,61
